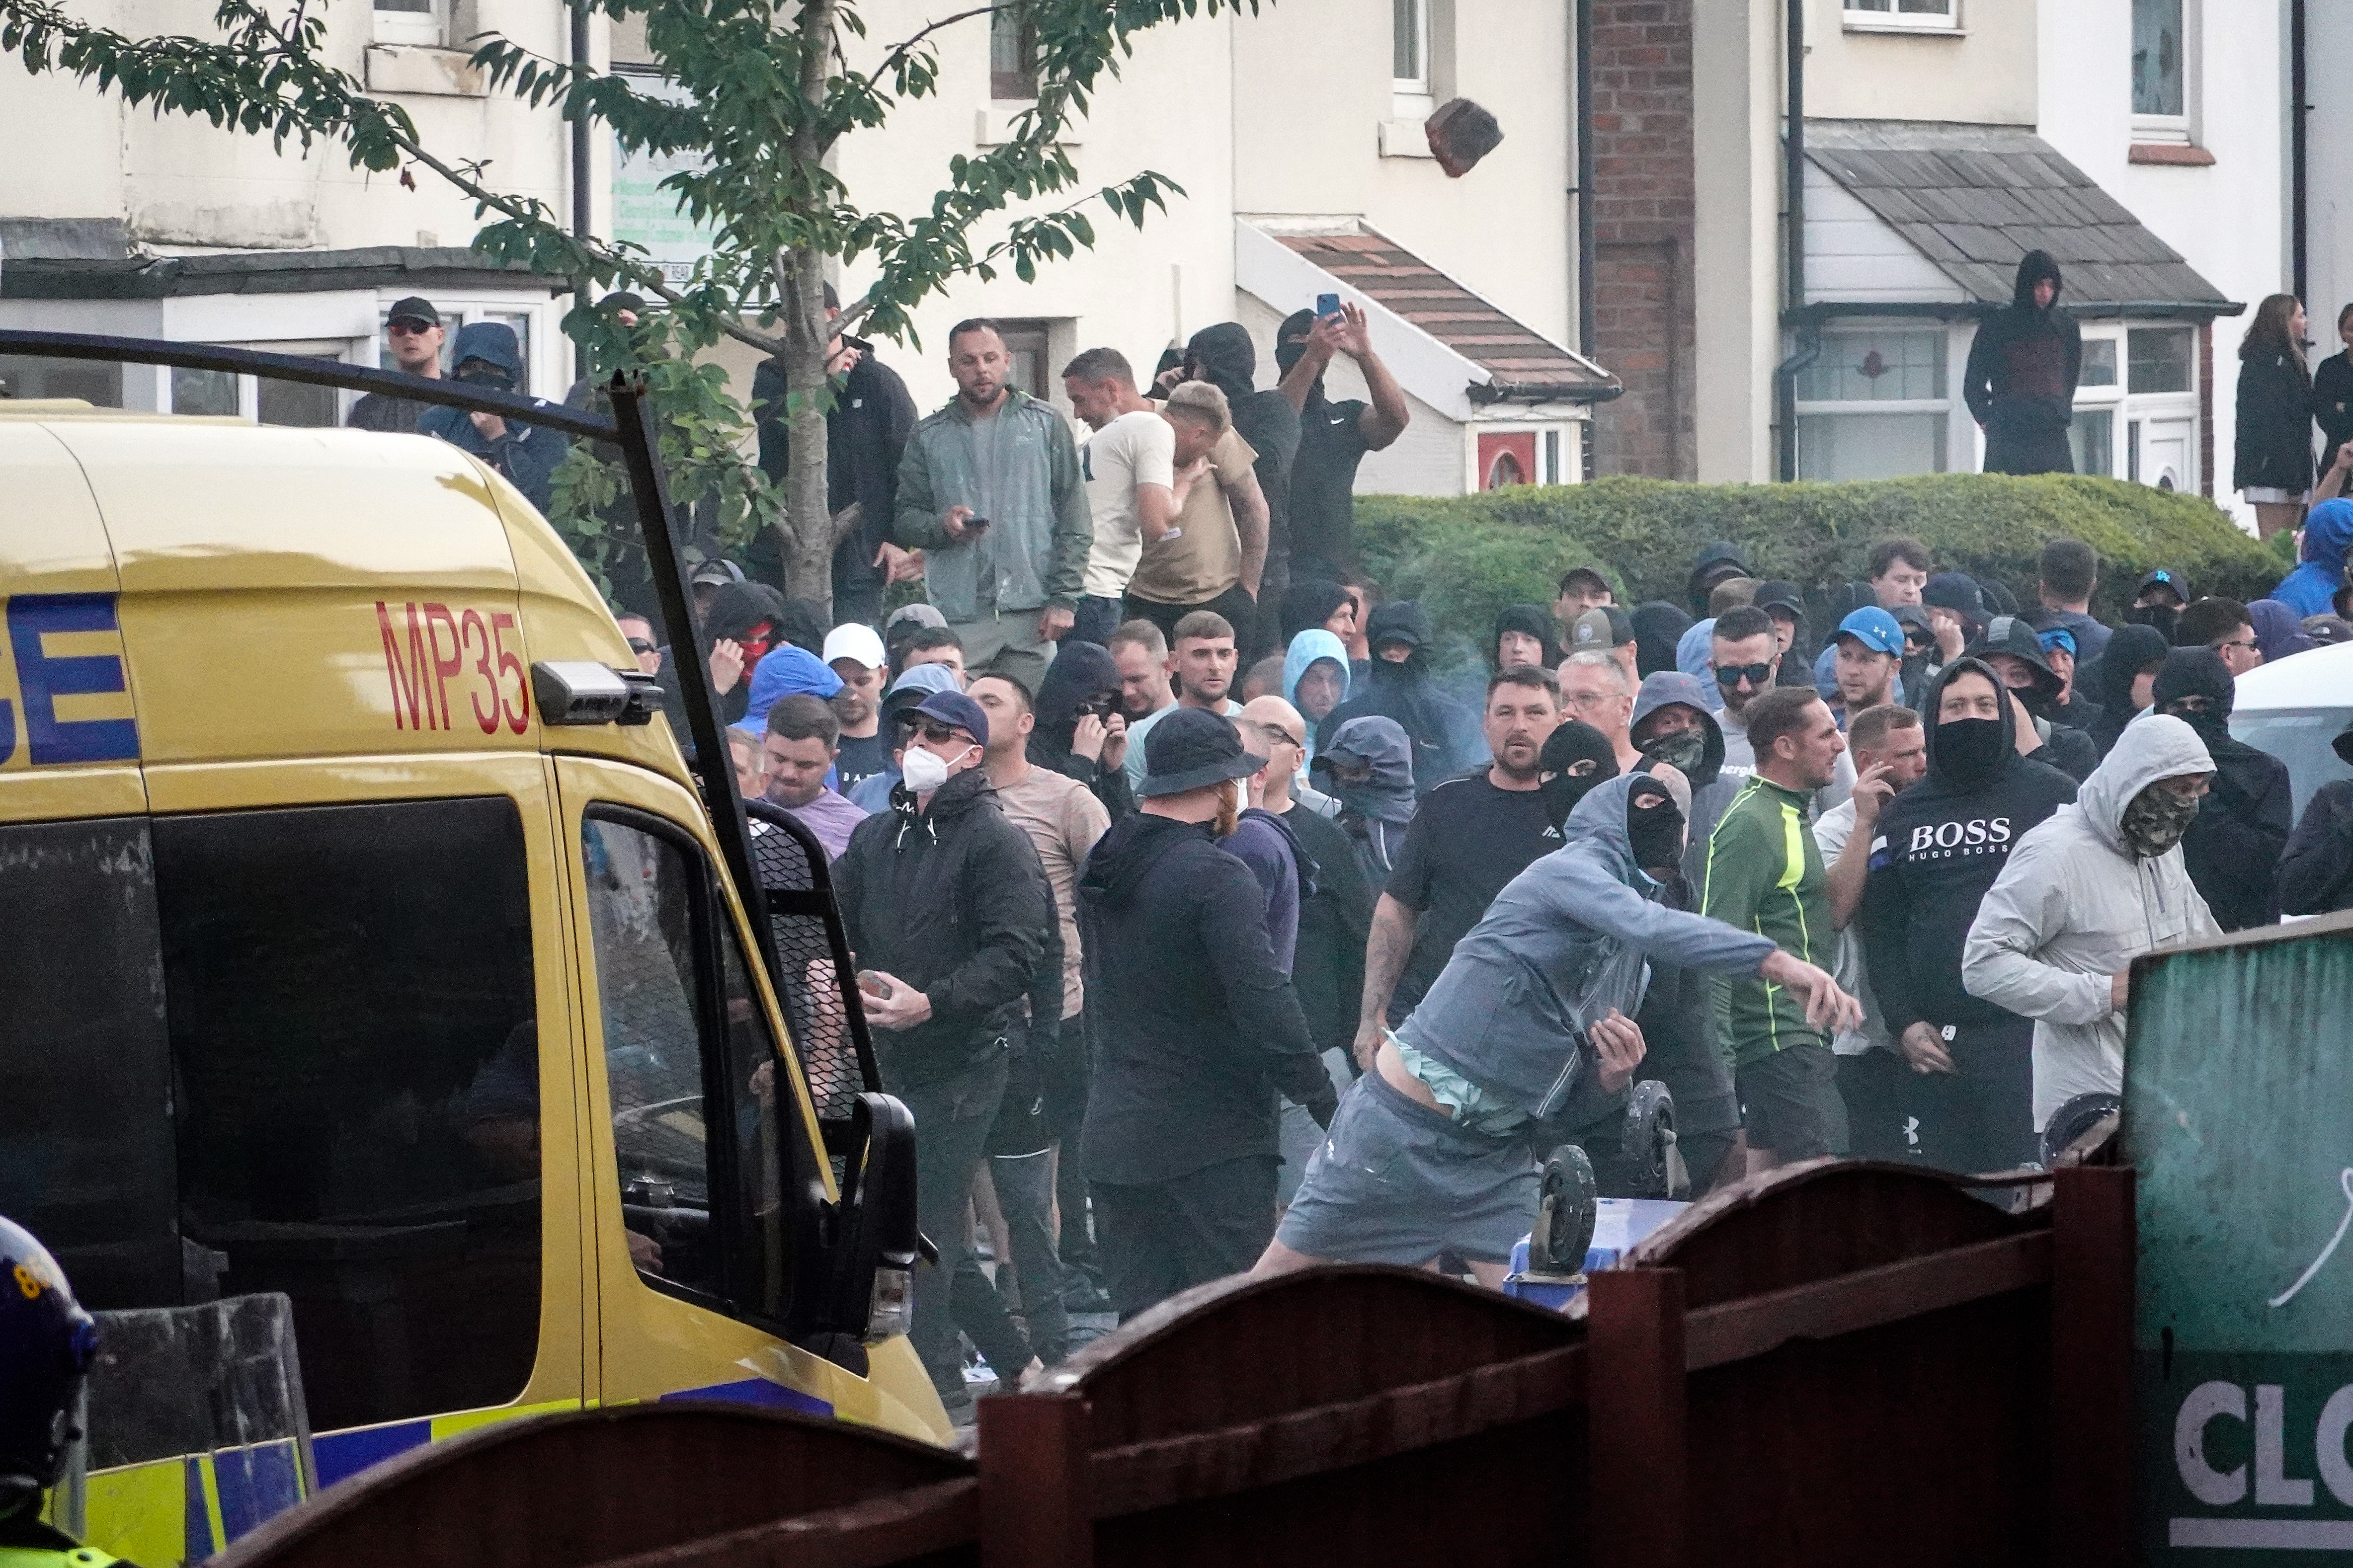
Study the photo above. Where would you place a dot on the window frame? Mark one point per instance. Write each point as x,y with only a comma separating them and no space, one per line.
1023,82
1942,406
724,1174
1858,18
429,28
2178,129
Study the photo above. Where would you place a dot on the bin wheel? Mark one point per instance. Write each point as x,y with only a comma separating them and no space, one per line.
1568,1203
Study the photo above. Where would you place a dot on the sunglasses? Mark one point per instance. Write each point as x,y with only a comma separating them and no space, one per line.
2244,645
1732,674
409,326
938,733
1101,705
640,645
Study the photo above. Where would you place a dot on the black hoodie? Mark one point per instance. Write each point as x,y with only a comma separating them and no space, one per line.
1658,626
2020,381
1226,358
2233,849
1195,1027
1080,671
1536,622
952,901
2131,649
1939,846
865,436
1446,735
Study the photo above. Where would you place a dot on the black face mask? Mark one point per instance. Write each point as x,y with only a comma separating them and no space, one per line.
1655,830
1970,749
1564,790
476,372
2164,617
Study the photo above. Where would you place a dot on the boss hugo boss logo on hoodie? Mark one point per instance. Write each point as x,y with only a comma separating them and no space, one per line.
1958,840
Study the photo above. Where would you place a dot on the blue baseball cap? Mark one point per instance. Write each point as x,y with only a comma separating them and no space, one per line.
954,708
2056,637
1875,630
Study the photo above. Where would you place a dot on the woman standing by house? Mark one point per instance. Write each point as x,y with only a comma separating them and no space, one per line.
2273,470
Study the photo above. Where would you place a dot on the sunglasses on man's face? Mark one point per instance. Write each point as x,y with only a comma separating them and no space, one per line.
409,326
640,645
1733,674
938,734
1101,704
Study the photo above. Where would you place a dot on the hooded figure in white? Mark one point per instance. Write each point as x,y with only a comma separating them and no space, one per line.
2088,890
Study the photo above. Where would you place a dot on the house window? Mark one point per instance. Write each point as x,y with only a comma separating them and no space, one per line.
412,22
97,384
2099,363
2160,360
2160,70
1873,406
1012,54
1028,346
1410,47
1928,15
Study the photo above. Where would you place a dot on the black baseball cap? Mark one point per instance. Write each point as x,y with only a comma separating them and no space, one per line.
2164,578
1783,596
415,308
1192,747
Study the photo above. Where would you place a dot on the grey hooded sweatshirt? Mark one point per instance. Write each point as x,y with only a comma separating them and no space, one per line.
1565,942
2075,905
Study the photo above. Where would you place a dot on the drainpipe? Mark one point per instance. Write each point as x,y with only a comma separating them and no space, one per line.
1583,65
581,222
2299,147
1793,247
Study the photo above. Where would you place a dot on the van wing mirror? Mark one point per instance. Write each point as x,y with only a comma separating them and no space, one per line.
876,1241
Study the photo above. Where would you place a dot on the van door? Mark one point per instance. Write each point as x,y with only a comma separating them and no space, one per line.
691,1100
341,1064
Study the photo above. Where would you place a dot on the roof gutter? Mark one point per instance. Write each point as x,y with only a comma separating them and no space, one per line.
1793,241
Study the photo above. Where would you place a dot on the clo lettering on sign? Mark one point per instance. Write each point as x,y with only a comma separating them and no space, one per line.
430,643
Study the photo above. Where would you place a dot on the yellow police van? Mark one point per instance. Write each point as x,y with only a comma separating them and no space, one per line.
360,948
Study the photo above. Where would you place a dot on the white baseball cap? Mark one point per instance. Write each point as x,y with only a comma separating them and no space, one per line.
855,640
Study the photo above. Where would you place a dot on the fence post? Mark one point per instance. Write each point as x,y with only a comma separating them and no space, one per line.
1036,1458
2093,1247
1636,1410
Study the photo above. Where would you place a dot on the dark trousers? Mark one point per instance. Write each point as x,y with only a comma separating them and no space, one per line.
1066,1112
1873,1087
1020,1167
1238,608
1096,620
952,1117
1161,1238
1979,1117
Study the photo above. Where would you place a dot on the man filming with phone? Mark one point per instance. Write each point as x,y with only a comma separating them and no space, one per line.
991,490
1333,436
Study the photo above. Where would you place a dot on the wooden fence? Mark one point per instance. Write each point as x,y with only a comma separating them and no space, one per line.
1838,1363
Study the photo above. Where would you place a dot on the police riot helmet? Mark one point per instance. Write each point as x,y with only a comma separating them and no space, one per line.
46,1345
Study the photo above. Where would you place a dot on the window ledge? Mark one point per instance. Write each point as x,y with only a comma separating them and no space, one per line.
2179,153
1903,29
424,71
993,125
1405,138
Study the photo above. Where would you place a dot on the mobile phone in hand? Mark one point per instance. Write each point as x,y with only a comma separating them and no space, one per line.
975,524
1326,305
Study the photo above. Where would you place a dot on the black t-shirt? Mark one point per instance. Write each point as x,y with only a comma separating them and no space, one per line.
1467,839
1323,489
859,759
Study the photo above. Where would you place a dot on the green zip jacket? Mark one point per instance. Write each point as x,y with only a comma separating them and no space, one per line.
1018,469
1764,873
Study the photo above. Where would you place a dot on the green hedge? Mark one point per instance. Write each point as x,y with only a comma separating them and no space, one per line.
1465,557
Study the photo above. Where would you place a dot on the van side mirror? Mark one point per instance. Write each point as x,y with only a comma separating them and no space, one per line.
871,1293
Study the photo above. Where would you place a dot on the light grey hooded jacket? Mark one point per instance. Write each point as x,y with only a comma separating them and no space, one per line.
1565,942
2075,905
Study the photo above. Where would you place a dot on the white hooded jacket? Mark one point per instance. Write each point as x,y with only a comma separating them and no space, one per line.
2075,905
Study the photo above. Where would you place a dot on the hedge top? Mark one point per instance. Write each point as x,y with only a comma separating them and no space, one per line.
1468,556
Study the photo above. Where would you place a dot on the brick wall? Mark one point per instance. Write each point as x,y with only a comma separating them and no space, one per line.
1644,328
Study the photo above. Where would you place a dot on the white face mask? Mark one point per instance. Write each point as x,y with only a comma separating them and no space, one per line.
924,769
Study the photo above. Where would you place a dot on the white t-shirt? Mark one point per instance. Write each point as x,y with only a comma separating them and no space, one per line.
1138,448
1831,831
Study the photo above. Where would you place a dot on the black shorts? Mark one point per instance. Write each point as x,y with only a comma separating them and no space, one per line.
1786,1100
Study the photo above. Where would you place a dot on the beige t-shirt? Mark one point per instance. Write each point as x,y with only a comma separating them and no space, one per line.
1138,448
1206,557
1063,819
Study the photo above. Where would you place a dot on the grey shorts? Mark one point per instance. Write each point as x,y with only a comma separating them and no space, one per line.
1396,1182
